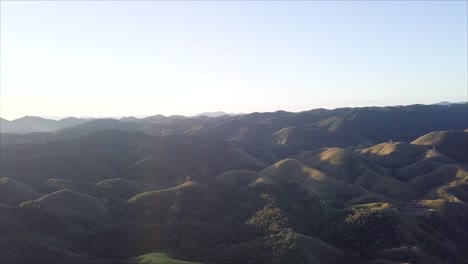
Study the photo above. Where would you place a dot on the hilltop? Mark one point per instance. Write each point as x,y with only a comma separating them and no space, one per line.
323,186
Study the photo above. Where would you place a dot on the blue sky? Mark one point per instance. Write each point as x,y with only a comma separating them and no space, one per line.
152,57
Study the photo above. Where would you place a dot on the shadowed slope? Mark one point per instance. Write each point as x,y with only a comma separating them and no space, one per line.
14,192
393,155
358,171
452,143
7,138
36,169
293,176
121,189
236,179
73,205
190,200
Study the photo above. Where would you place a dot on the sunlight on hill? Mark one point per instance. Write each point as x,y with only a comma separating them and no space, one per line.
336,156
231,202
313,173
158,258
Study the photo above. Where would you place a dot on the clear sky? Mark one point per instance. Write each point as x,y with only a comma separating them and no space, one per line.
106,58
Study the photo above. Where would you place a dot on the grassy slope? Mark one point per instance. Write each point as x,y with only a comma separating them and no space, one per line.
451,143
158,258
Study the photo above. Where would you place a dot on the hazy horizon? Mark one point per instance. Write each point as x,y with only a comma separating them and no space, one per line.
182,58
210,112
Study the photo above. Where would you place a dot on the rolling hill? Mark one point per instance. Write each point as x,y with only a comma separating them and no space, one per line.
451,143
350,185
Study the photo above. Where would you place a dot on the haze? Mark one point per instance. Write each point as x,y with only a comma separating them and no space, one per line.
125,58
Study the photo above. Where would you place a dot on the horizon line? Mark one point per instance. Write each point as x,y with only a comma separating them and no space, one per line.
118,117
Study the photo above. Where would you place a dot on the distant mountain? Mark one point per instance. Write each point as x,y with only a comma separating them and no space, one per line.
128,118
71,121
162,119
30,124
92,126
214,114
340,127
3,122
446,103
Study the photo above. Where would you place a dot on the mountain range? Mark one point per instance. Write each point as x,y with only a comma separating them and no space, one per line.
349,185
338,127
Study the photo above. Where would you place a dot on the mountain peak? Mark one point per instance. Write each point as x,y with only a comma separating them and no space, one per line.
214,114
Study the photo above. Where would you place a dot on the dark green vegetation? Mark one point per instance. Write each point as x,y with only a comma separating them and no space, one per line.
323,186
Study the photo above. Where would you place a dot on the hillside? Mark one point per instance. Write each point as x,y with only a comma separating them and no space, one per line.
280,187
14,192
72,205
157,258
451,143
7,138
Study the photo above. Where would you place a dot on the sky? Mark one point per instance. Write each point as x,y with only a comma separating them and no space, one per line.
122,58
